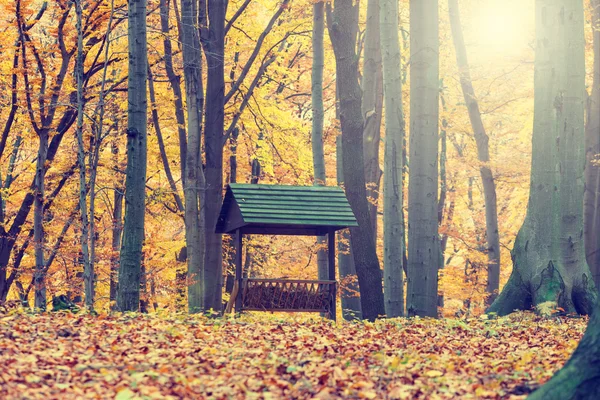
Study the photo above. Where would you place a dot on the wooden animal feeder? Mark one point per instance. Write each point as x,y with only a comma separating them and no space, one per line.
284,210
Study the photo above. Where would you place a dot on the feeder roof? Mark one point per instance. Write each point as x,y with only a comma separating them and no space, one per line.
284,210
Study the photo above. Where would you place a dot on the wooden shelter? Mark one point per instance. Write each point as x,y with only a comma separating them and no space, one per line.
284,210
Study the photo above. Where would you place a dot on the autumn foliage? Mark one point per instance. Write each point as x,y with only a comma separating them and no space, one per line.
69,356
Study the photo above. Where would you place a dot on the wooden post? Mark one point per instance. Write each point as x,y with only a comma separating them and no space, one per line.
331,271
238,270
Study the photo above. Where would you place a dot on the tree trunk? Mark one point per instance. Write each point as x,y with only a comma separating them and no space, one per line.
343,27
579,379
372,106
549,267
117,228
320,178
39,236
423,239
483,153
393,214
128,293
214,48
175,83
592,167
350,293
194,182
88,273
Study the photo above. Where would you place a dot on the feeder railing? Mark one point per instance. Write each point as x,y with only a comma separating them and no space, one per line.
288,295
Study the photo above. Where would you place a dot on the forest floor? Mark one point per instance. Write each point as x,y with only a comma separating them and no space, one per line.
67,356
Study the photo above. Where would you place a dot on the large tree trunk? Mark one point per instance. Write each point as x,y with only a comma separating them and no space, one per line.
423,239
214,49
579,379
320,178
591,197
343,26
372,105
393,214
483,153
350,293
549,267
128,293
194,182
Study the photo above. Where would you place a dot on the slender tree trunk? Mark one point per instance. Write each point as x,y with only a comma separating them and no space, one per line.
483,153
549,267
39,236
371,107
343,27
350,293
128,293
423,238
88,273
175,82
214,48
117,229
194,181
393,214
591,197
320,177
233,142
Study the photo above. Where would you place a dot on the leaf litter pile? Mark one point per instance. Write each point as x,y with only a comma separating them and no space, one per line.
67,356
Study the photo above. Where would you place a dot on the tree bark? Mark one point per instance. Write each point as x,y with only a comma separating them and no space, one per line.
483,153
591,199
393,214
213,42
549,267
579,379
350,293
372,106
343,27
128,293
194,182
320,177
39,236
423,238
88,273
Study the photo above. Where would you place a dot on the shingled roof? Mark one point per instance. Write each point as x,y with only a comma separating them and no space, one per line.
284,210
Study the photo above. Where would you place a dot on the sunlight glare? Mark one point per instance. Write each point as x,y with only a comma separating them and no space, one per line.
502,28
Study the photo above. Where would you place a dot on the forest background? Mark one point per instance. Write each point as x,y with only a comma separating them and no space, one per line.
267,120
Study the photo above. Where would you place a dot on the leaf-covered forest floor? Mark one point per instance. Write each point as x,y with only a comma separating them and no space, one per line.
67,356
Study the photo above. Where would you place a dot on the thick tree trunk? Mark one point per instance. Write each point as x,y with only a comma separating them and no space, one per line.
393,214
128,293
320,178
194,182
549,267
483,153
350,293
214,49
579,379
423,238
372,106
343,26
591,197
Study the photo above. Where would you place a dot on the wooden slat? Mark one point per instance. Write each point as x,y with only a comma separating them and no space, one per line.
321,207
301,221
256,187
259,212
